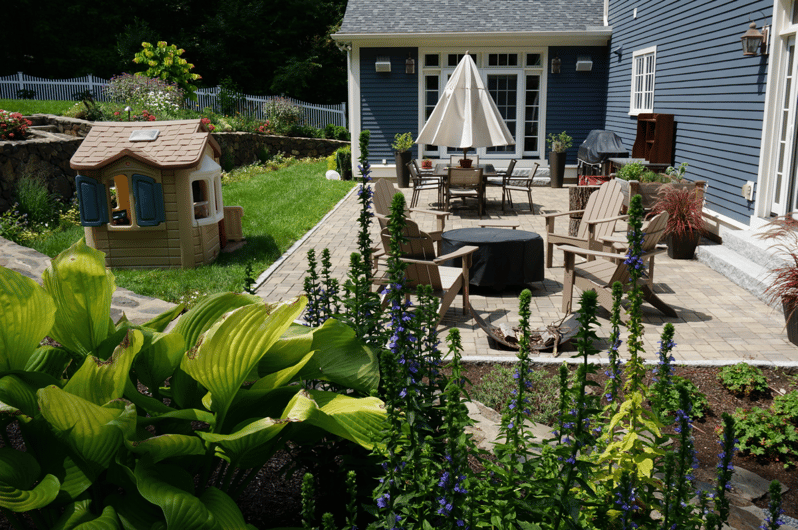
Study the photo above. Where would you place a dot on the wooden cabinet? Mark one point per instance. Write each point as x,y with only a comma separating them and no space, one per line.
654,140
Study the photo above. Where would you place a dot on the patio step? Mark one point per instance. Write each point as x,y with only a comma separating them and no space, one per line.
744,259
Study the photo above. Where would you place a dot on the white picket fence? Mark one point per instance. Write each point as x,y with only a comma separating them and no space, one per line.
315,115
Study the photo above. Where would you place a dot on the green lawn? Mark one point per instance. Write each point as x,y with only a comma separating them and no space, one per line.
279,207
31,106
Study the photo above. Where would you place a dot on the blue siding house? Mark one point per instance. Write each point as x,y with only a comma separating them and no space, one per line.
512,42
734,115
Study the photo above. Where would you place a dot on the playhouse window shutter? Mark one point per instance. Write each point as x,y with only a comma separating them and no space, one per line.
93,204
148,196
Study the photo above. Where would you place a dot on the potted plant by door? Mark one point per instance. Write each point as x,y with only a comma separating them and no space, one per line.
685,219
402,144
783,231
558,145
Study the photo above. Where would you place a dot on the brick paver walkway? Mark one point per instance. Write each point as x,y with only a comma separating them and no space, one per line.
718,322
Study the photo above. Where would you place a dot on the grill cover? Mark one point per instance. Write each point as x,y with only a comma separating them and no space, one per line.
601,145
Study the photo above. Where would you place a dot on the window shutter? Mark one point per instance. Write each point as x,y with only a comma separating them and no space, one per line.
93,202
148,196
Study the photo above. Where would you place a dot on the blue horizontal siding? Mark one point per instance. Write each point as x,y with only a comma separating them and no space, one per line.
576,101
717,96
388,100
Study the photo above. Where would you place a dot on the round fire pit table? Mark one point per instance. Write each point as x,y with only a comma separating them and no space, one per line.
505,257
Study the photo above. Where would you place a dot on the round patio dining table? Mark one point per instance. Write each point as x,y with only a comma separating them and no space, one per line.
505,257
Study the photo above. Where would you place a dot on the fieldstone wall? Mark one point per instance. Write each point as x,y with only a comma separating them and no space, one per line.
54,139
241,148
45,153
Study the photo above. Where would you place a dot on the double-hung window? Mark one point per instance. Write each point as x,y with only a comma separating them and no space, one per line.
643,69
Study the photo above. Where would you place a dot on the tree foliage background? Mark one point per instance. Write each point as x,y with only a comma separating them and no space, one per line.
264,46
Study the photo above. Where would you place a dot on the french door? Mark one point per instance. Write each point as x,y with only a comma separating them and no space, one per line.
785,190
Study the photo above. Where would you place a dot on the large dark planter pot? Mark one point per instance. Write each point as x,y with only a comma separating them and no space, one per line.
402,171
556,168
791,319
682,247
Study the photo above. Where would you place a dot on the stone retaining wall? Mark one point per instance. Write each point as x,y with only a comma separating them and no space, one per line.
56,139
241,148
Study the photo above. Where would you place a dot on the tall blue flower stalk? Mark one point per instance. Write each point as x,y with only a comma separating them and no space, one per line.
773,519
365,194
679,468
725,469
635,371
612,389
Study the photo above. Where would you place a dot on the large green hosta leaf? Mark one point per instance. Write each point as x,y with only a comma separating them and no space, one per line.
224,510
166,446
360,420
81,288
94,432
27,314
78,517
171,488
207,311
19,471
49,360
230,350
159,357
100,381
16,393
294,344
160,322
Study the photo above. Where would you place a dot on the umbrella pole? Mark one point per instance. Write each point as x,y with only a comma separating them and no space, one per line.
465,153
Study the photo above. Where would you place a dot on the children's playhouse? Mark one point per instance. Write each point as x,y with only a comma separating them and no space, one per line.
151,194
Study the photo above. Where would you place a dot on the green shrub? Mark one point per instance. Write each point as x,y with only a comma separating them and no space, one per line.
742,378
495,390
34,198
164,62
303,131
768,434
282,114
343,162
666,403
787,406
336,132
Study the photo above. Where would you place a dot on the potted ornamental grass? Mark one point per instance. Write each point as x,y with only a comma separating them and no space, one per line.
402,145
558,145
783,287
685,219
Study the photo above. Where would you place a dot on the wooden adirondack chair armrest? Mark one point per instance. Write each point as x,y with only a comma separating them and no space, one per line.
605,220
559,214
436,213
459,253
570,249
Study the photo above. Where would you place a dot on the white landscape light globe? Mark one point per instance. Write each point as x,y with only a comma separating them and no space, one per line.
333,175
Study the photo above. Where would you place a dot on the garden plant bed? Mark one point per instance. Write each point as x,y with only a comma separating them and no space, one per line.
275,499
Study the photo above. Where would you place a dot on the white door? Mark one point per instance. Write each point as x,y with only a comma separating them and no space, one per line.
784,183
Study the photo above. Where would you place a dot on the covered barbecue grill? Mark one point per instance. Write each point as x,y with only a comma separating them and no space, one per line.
598,147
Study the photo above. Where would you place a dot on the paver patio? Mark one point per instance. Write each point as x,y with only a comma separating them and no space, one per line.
717,322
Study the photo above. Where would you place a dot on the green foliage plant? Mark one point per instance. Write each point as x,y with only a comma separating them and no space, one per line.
496,387
165,62
336,132
743,379
343,162
402,142
773,519
768,433
33,197
282,114
136,426
676,174
559,143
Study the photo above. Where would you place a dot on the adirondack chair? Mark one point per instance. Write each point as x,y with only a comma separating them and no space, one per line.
598,220
600,274
383,195
424,267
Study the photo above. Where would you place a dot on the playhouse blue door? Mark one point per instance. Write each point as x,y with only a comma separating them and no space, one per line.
93,202
148,196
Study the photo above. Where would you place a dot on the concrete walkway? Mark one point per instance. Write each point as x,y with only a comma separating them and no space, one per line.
717,323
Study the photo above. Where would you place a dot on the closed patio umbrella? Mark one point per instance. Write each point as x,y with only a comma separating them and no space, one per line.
466,116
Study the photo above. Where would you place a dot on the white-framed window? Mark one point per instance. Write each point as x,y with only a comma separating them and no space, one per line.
206,193
643,70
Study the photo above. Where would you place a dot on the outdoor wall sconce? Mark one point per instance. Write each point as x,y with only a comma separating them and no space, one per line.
383,64
584,63
410,65
755,42
556,63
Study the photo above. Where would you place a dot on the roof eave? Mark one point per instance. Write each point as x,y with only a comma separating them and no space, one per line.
596,37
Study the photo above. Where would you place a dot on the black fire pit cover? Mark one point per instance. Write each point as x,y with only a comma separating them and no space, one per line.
601,145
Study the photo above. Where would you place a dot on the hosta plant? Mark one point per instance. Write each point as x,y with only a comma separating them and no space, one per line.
130,426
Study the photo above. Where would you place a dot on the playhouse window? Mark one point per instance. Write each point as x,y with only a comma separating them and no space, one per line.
200,196
119,191
206,196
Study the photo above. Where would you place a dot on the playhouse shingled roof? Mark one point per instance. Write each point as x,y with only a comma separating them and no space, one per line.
366,17
180,144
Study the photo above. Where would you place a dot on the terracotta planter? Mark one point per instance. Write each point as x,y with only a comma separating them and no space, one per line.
402,171
682,247
791,319
426,164
466,162
556,168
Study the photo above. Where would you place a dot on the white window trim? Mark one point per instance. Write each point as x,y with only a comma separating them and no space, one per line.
637,53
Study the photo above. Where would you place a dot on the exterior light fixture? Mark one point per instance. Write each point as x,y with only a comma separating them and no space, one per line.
755,42
584,63
410,65
556,63
383,64
128,109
